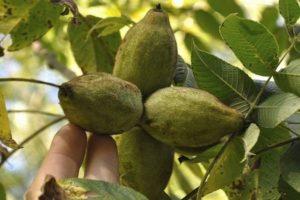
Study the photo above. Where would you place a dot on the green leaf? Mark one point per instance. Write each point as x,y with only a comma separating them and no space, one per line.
99,190
2,192
250,138
290,10
228,167
269,17
93,53
276,109
190,40
12,11
288,79
290,166
287,192
252,43
208,23
268,171
271,136
294,54
260,181
41,17
282,38
110,25
226,7
204,156
222,79
5,133
268,176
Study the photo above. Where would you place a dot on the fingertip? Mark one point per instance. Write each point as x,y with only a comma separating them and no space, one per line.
102,159
70,141
64,158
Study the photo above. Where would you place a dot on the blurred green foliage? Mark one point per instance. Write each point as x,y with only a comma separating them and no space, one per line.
191,20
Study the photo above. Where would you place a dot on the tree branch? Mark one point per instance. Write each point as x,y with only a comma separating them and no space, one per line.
29,138
216,159
280,144
291,130
255,102
53,63
35,112
29,80
191,194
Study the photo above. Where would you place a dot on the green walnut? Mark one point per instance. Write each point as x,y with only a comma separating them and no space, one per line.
148,54
188,117
145,163
101,103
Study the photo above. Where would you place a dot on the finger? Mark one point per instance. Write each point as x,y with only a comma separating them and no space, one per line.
63,159
102,159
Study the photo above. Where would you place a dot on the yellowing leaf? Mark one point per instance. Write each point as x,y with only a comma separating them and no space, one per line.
5,133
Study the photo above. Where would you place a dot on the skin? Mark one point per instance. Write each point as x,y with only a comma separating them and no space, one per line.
67,153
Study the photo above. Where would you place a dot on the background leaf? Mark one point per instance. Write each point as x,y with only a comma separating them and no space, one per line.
111,25
288,79
92,53
282,38
221,78
207,22
252,43
226,7
290,166
5,133
290,10
12,11
287,192
41,17
276,109
2,192
190,40
269,17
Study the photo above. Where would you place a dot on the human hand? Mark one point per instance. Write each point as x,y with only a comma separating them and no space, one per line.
66,155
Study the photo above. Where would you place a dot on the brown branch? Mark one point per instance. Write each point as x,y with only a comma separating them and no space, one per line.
280,144
53,63
191,194
290,130
29,80
35,112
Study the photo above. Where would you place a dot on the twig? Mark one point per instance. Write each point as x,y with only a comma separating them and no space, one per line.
216,159
29,80
53,63
253,105
191,194
276,145
289,122
35,112
287,51
33,135
51,60
289,129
